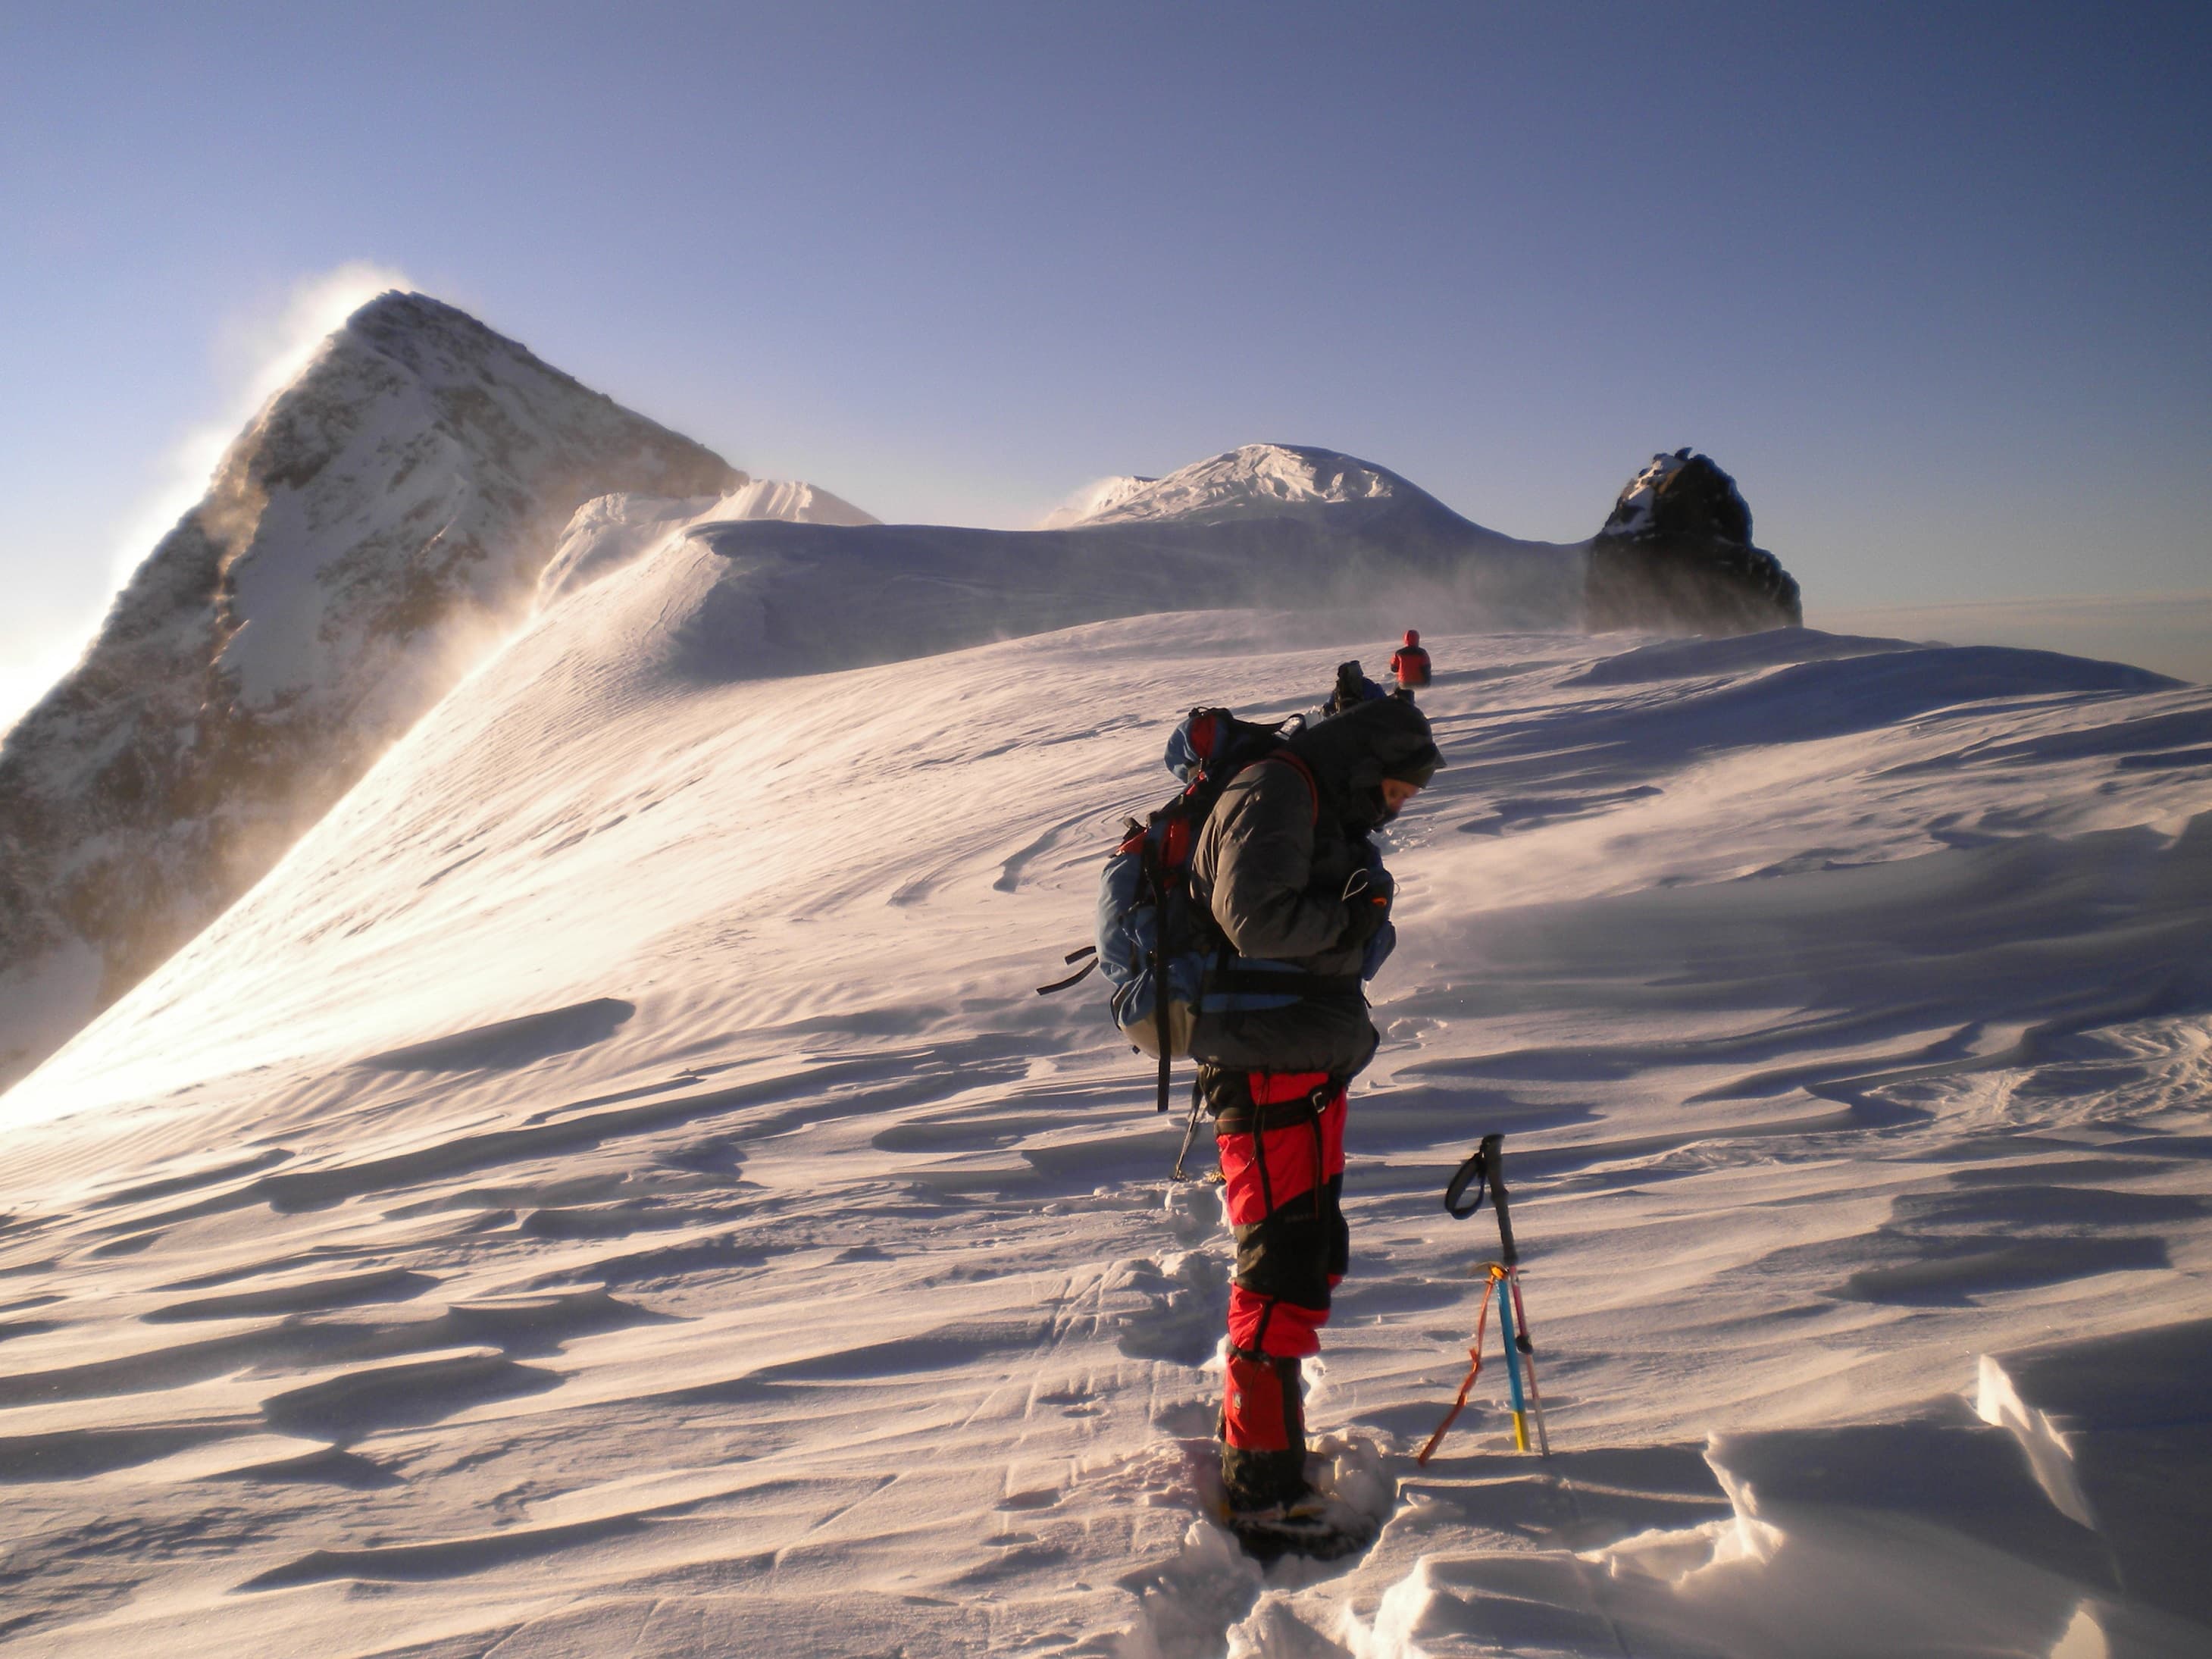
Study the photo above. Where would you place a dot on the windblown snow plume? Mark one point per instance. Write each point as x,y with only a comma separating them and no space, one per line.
1092,500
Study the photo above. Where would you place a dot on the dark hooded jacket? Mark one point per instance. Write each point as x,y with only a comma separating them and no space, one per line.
1271,866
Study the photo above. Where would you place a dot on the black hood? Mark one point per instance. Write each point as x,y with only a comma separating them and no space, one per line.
1350,754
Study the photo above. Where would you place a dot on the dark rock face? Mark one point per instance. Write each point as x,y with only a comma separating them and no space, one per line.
1676,556
379,527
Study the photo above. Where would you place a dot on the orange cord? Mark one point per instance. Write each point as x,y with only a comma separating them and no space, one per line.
1474,1353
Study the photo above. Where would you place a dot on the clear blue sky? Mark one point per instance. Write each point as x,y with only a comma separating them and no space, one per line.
1932,280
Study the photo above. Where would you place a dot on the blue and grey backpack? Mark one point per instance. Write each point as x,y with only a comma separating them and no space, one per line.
1163,953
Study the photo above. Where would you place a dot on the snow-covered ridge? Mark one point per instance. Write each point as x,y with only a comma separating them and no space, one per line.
761,598
377,528
788,501
608,533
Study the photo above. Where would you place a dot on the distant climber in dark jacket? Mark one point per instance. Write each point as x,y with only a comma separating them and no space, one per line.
1353,687
1287,869
1410,663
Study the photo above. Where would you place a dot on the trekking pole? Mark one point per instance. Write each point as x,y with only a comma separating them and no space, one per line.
1528,1354
1189,1131
1484,1171
1520,1345
1493,1157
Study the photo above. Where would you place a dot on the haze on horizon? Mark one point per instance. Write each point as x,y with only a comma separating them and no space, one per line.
1931,288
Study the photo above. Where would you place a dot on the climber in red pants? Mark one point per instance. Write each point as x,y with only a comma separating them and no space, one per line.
1286,870
1281,1138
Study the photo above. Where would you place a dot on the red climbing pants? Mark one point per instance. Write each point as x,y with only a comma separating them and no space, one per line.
1282,1167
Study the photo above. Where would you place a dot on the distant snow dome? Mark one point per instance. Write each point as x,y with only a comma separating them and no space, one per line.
1258,478
1098,497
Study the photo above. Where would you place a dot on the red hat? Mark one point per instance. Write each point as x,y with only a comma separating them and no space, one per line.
1412,636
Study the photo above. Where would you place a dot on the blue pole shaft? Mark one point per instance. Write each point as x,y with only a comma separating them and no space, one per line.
1513,1369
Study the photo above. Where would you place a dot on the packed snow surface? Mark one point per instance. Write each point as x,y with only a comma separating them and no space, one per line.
612,1188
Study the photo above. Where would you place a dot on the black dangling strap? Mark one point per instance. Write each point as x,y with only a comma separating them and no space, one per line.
1162,1019
1076,977
1474,1172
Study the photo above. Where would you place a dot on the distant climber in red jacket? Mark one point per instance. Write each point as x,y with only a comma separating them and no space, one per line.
1410,663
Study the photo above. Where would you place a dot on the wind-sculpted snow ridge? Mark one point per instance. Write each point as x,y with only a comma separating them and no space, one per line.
377,527
614,1189
608,533
724,597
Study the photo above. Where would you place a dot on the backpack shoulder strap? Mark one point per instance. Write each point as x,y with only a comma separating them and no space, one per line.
1313,788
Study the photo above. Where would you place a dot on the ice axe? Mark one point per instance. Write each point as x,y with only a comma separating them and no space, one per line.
1484,1171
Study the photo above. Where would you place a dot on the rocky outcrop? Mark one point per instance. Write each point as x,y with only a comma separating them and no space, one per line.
1676,556
379,527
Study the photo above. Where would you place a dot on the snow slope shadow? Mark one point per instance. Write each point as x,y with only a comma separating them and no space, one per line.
508,1043
1813,695
2106,1425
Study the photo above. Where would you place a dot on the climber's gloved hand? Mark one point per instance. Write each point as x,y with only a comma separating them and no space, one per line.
1369,917
1367,906
1367,896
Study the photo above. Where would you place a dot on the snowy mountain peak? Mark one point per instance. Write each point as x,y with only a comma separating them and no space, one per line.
1258,480
378,526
